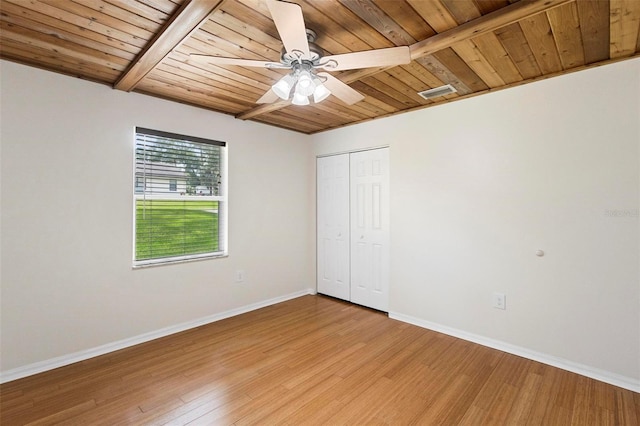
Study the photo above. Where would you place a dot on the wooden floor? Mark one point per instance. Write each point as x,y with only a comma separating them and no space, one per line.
313,360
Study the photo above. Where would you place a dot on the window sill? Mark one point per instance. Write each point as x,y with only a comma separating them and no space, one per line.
154,263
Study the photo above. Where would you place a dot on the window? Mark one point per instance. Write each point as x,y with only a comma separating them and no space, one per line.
180,198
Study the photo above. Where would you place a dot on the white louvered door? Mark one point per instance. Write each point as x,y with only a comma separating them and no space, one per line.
333,226
353,227
370,228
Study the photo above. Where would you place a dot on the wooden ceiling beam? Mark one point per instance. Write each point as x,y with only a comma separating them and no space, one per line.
483,25
191,15
477,27
263,109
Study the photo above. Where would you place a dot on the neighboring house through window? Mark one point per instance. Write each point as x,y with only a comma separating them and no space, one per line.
180,197
139,184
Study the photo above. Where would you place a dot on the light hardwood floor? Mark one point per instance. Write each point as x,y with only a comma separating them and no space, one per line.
313,360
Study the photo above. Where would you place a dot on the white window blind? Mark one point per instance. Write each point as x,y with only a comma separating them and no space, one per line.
180,197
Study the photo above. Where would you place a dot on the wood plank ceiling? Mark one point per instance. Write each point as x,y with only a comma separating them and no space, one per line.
475,45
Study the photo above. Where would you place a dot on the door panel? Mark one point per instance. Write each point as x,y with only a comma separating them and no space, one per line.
370,228
333,268
376,273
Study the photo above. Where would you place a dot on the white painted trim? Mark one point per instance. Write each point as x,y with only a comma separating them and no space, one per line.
352,151
584,370
50,364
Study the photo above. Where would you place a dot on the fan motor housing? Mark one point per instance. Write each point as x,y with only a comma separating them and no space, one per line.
315,51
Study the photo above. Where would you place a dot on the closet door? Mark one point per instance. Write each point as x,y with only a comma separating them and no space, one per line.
333,226
370,228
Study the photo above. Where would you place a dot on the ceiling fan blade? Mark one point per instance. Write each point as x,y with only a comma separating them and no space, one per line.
340,89
218,60
290,24
367,59
268,98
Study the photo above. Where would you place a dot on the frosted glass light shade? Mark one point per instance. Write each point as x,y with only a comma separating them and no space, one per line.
320,93
283,87
305,85
299,99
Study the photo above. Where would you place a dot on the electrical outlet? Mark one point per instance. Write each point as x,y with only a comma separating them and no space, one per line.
240,276
499,300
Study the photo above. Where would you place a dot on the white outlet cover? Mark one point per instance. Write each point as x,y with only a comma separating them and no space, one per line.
499,301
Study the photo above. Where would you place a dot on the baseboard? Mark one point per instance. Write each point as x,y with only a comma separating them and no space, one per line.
584,370
50,364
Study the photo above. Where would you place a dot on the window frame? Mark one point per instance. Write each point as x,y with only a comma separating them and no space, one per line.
222,199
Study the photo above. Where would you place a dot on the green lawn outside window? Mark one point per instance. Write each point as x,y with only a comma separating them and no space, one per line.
169,228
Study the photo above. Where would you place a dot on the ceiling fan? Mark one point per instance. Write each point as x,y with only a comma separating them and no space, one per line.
307,62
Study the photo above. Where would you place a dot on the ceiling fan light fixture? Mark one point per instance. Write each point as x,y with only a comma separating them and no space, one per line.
300,84
283,87
299,99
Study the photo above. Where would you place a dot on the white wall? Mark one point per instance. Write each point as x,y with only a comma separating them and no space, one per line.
67,181
477,186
